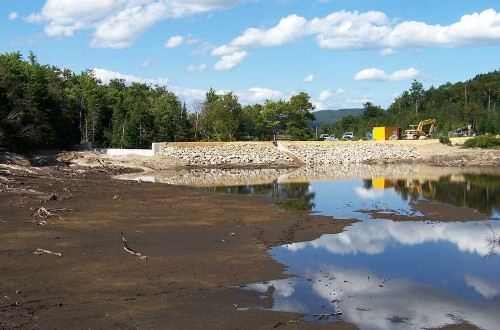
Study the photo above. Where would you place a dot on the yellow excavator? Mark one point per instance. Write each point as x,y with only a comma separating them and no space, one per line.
416,132
425,188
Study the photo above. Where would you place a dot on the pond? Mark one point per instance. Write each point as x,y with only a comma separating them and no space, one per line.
378,273
384,274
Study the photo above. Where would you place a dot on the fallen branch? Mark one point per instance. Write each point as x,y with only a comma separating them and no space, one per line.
42,251
129,250
42,212
101,162
325,316
64,209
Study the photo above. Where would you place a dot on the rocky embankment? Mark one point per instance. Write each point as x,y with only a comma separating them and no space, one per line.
265,153
348,153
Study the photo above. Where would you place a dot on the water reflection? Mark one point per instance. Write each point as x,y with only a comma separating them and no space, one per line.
292,196
470,190
344,199
394,275
387,275
376,236
374,302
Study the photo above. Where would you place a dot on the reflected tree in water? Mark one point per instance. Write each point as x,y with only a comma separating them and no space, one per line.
493,241
475,191
296,197
292,196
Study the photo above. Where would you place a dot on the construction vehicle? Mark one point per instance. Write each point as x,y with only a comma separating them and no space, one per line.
468,130
424,189
416,132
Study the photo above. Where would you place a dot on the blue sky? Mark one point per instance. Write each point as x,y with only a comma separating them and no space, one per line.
342,52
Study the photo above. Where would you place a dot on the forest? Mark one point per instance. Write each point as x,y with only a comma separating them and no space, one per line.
474,102
46,107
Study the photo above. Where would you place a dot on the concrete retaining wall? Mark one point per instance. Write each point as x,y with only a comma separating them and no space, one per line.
155,148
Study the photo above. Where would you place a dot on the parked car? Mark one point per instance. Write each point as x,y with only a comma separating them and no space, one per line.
324,136
331,138
348,136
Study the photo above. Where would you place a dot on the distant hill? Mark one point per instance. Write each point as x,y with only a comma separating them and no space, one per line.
331,116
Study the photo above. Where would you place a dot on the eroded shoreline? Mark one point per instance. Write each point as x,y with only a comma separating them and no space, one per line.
194,253
197,245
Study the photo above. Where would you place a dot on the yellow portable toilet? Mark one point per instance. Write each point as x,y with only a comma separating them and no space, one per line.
382,183
386,132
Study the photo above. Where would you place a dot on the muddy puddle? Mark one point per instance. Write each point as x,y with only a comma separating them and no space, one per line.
381,273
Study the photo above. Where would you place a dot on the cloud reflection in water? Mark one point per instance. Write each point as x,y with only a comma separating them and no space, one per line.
373,236
363,272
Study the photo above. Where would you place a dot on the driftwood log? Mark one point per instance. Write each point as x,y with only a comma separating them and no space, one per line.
132,252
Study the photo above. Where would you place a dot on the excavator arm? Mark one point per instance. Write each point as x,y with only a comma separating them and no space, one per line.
427,122
416,131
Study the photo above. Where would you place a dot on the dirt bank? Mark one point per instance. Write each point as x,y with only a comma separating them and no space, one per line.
197,244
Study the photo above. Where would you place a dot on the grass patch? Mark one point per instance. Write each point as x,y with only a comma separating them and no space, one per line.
445,140
483,142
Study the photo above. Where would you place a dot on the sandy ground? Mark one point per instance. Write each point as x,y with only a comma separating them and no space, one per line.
195,246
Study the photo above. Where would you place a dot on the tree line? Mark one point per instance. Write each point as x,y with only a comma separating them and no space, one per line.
474,102
43,106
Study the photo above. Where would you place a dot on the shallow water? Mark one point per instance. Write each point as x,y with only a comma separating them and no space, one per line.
380,274
388,275
383,274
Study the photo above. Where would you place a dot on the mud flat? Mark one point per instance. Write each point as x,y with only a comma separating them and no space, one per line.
63,262
65,266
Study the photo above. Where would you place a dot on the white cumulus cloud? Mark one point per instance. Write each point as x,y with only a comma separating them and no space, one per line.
199,68
387,52
224,50
189,95
407,74
378,74
349,30
329,100
325,96
124,27
259,95
13,16
370,74
230,61
117,23
289,29
475,29
308,79
106,75
174,41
